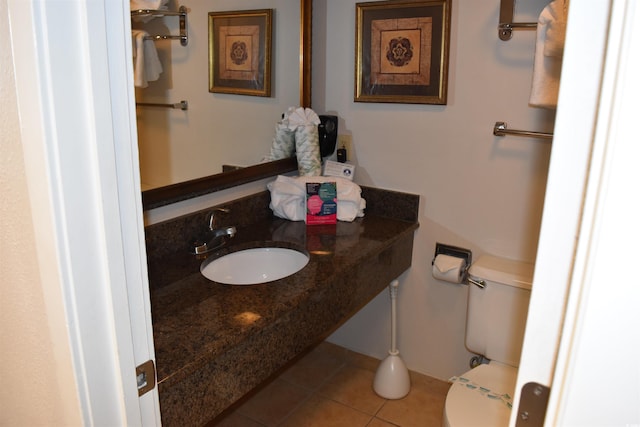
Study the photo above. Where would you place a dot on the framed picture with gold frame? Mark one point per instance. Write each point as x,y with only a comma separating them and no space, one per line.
240,52
402,51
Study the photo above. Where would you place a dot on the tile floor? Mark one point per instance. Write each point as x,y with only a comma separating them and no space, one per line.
332,387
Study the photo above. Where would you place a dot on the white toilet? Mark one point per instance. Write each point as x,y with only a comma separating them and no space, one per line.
496,318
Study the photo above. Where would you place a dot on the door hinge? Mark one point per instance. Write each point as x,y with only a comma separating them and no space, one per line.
146,377
533,405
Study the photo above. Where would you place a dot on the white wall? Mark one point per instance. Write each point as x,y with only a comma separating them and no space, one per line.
218,128
38,385
477,191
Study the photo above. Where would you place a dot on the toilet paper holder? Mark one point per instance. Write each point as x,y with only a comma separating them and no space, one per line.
454,251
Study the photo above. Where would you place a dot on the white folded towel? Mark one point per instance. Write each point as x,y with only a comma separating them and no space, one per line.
296,117
146,65
147,4
308,150
548,55
288,195
304,123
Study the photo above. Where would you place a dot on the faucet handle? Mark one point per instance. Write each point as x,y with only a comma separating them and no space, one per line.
212,217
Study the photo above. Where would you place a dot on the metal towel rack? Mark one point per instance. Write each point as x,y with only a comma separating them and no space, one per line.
500,129
506,24
182,14
182,105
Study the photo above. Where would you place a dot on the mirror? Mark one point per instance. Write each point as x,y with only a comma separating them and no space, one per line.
152,122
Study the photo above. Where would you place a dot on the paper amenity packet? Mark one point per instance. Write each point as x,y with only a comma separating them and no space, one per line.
322,202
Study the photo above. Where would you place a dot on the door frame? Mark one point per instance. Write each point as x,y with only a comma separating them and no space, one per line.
74,87
580,296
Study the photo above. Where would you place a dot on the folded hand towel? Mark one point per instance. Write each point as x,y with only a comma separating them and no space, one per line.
296,117
147,5
304,122
548,55
146,65
288,197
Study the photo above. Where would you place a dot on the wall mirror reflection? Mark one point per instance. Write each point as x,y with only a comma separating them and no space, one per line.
189,152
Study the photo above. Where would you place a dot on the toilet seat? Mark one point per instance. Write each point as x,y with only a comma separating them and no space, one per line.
476,398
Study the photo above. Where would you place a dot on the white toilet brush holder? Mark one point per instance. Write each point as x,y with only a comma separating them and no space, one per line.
392,377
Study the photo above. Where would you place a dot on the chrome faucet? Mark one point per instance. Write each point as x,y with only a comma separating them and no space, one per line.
219,236
223,232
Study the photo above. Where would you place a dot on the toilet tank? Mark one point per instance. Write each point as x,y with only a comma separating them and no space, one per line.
497,314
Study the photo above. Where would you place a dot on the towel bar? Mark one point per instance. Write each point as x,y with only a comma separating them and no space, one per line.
500,129
181,13
182,105
506,25
183,39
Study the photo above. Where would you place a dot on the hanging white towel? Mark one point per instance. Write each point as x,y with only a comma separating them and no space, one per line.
556,28
147,4
548,55
146,65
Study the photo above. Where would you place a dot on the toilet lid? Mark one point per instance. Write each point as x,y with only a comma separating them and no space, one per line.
481,397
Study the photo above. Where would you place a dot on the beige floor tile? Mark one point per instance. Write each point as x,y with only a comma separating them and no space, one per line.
422,407
335,350
333,387
362,361
320,412
274,402
238,420
314,369
353,387
435,385
377,422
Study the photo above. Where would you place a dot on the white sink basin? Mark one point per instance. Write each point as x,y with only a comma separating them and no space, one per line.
253,266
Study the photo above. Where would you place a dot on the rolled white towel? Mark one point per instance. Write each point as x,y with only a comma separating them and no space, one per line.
308,150
288,196
304,123
146,65
283,145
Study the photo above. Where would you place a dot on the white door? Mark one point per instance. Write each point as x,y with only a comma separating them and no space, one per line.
581,337
74,88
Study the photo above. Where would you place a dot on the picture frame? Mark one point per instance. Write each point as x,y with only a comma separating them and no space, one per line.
240,52
402,51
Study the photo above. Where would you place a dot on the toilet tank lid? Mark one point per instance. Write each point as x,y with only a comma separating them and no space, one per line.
510,272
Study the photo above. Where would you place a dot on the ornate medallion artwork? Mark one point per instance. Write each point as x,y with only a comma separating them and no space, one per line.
402,51
399,52
408,42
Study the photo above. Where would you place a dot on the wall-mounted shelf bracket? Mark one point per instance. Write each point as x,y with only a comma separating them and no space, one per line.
506,24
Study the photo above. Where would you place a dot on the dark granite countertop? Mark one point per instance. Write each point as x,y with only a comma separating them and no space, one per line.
215,342
196,319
